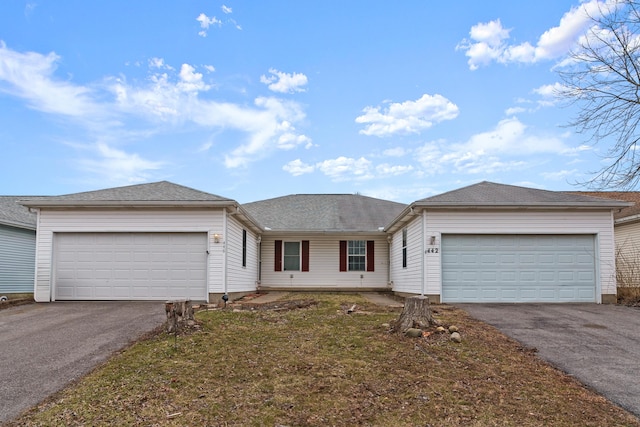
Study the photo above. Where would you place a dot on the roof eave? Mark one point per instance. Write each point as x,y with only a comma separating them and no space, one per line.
269,231
553,205
17,224
126,204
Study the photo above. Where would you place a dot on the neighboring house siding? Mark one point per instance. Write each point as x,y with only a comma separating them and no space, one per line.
410,278
239,278
114,220
17,259
324,264
598,223
628,253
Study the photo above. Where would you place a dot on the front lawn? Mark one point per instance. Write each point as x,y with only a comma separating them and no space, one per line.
319,365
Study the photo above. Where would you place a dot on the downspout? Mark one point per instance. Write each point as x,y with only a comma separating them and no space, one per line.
424,255
259,255
225,297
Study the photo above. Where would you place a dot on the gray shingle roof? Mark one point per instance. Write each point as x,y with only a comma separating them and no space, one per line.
153,194
629,196
324,213
489,194
14,214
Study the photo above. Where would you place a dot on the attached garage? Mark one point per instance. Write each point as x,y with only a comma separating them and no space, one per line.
518,268
496,243
158,241
130,266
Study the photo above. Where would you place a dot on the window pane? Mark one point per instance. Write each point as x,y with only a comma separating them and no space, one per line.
356,251
292,248
292,256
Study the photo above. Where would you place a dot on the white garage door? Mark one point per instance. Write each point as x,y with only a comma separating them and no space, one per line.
130,266
518,268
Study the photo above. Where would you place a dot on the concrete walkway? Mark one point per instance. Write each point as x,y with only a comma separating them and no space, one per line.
378,298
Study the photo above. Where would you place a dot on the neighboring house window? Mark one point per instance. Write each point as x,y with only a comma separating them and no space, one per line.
404,248
357,255
244,248
291,256
291,259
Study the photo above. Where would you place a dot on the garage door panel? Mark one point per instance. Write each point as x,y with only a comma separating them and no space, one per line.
122,266
545,268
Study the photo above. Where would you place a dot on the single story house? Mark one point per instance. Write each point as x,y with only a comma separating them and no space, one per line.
483,243
17,246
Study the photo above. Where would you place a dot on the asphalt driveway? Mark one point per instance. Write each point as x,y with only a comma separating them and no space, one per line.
44,347
597,344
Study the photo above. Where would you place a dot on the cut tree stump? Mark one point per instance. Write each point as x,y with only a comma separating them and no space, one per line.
179,313
416,314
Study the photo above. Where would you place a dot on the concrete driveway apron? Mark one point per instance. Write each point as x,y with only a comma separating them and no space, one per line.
45,347
597,344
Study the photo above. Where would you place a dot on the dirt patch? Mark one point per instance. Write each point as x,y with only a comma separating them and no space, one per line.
15,302
275,305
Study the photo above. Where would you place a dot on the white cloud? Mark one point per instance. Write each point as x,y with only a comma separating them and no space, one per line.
115,109
514,110
560,175
118,167
407,117
343,168
30,76
488,41
510,136
509,146
386,169
190,81
210,68
158,63
226,9
298,167
396,152
283,82
206,22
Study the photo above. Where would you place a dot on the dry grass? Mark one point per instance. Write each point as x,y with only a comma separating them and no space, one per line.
319,366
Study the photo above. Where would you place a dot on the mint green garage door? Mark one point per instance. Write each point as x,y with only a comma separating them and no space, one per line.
518,268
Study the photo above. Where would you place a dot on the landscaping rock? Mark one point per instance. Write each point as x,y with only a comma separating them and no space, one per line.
413,332
453,328
455,337
440,329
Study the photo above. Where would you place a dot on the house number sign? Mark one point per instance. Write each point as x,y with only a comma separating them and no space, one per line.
432,250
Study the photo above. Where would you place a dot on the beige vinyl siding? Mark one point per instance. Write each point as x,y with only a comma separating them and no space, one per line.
596,223
239,278
628,253
324,264
409,279
53,221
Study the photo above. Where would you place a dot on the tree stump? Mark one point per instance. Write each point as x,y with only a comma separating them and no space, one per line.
416,314
178,314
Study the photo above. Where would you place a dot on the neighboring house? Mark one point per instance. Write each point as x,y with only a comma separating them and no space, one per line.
17,246
486,242
627,234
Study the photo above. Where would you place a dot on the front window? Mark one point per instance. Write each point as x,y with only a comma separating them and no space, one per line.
292,256
356,255
404,248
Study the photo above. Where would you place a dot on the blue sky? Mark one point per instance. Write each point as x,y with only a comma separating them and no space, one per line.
252,100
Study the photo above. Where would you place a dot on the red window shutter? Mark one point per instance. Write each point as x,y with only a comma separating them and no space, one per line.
343,255
370,256
305,255
278,256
